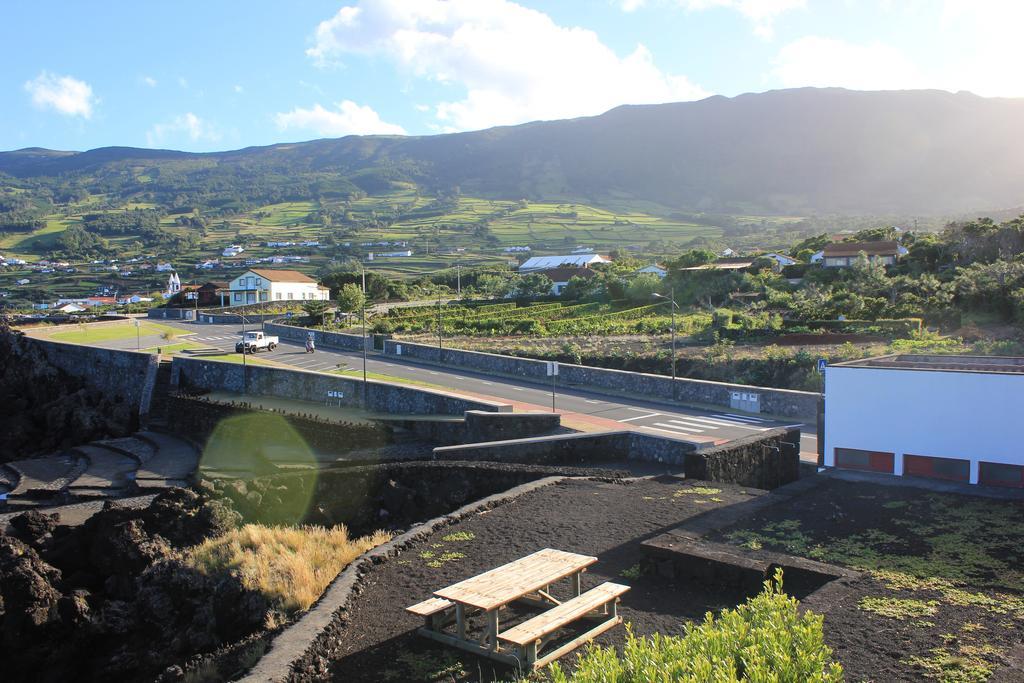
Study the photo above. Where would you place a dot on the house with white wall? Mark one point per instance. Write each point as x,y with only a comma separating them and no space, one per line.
259,284
944,417
536,263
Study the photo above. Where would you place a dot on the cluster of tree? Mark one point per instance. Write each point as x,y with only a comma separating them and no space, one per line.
129,221
77,242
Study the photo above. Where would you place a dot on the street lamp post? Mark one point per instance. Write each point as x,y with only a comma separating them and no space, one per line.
438,323
363,315
672,299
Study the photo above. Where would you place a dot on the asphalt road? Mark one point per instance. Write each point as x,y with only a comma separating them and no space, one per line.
662,418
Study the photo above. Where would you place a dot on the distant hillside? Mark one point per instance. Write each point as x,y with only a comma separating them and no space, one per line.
786,152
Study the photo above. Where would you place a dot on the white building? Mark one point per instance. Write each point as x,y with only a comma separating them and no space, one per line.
232,250
510,250
780,259
944,417
256,285
164,267
173,286
535,263
390,254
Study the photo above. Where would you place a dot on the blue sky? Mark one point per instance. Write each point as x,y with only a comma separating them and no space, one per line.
226,74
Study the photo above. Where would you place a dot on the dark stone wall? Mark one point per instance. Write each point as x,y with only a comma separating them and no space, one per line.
196,418
338,340
382,397
390,495
765,461
171,313
479,426
119,375
783,402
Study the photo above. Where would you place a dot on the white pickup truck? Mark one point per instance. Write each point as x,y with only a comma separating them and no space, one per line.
253,342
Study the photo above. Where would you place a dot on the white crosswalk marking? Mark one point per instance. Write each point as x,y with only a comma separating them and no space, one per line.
666,425
744,418
692,423
640,417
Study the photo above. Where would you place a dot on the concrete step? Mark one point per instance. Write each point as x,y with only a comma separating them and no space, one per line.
107,469
173,459
49,474
131,446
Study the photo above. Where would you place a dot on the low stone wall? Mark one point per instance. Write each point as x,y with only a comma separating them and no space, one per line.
339,340
117,374
171,313
781,402
381,397
197,418
234,318
765,461
478,426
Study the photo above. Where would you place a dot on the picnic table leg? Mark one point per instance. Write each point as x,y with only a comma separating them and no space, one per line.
460,620
492,629
577,583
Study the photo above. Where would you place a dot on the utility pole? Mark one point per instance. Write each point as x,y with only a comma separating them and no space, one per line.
438,323
245,375
364,352
458,279
672,302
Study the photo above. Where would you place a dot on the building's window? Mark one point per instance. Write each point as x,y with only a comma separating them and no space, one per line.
289,296
871,461
1001,474
953,469
238,297
259,282
277,295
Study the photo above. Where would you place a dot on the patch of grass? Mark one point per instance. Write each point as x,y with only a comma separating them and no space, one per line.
90,334
696,491
899,608
963,667
443,559
634,572
459,536
290,565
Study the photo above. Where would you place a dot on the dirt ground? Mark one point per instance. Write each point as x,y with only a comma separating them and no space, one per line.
608,520
942,597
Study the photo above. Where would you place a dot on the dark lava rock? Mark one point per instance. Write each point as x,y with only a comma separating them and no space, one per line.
29,598
34,527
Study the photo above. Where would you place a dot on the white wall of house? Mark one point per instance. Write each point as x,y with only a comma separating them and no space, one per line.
250,288
972,416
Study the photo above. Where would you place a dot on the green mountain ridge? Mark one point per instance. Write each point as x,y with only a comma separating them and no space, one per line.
786,152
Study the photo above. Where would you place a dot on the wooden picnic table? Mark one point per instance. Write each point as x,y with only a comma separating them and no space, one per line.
526,579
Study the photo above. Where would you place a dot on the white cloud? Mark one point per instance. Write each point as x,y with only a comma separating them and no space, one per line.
631,5
349,119
238,88
63,94
515,64
988,56
762,13
186,125
826,62
148,80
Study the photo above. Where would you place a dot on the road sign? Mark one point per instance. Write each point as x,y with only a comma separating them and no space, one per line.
138,323
821,365
552,368
288,314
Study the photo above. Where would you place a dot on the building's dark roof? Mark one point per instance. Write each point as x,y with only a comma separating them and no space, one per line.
566,274
855,248
997,364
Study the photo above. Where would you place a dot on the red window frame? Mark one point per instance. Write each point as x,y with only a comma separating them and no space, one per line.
924,466
878,461
983,479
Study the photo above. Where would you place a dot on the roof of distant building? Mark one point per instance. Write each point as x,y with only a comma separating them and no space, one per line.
283,275
547,262
566,274
996,364
855,248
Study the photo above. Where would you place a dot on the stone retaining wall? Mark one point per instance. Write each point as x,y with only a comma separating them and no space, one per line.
479,426
381,397
781,402
198,418
171,313
765,461
339,340
118,374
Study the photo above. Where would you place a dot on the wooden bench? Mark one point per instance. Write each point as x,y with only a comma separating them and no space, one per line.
436,611
531,635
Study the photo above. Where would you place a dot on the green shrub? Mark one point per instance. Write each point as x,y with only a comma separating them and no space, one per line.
765,639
